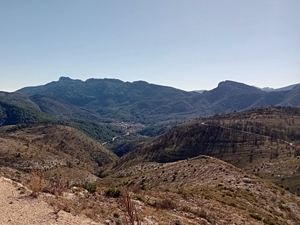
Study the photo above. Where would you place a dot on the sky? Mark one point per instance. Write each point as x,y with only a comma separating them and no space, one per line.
186,44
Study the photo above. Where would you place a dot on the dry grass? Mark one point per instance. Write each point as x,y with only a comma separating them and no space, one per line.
53,149
36,183
205,189
56,187
203,201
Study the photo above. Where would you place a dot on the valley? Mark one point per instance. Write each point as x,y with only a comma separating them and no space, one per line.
226,156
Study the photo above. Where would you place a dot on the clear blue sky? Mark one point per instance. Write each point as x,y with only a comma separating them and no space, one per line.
187,44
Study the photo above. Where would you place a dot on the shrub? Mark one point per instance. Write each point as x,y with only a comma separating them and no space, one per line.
56,186
166,204
35,184
91,187
112,192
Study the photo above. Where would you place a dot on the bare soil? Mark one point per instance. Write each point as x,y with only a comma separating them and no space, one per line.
17,208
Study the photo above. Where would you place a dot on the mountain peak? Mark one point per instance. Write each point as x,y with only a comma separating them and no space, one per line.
67,80
63,79
231,83
234,84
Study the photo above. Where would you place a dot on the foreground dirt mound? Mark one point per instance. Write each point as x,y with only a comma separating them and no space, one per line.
19,209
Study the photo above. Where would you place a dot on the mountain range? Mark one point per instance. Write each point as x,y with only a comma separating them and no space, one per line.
139,101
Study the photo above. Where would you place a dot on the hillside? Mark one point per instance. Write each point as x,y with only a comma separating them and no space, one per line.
19,109
171,178
16,109
52,149
262,141
231,96
61,109
293,97
204,190
198,191
149,103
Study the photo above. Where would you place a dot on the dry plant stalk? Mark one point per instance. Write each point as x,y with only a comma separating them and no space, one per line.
57,187
130,208
35,184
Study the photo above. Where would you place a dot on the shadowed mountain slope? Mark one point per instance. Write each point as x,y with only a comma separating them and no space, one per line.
137,101
17,109
230,96
61,109
149,103
20,109
293,97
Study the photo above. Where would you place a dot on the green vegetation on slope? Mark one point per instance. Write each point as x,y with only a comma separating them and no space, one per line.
17,109
11,114
98,131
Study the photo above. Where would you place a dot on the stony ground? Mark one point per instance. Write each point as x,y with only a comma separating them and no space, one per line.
17,208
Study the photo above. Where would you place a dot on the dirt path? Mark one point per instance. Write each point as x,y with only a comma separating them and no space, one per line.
19,209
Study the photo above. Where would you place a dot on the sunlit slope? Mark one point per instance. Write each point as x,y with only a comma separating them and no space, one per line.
205,190
47,148
262,141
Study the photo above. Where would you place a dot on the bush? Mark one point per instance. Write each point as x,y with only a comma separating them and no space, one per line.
35,184
91,188
166,204
56,186
112,192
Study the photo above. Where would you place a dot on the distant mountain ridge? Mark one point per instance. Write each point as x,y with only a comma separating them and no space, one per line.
287,88
147,103
112,98
267,89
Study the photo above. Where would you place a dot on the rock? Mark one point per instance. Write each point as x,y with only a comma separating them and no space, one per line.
107,222
178,222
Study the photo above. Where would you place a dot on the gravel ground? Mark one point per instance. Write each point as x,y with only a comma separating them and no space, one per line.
19,209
